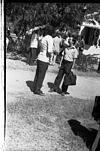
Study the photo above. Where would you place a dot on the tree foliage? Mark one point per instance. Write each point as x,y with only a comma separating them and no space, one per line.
28,15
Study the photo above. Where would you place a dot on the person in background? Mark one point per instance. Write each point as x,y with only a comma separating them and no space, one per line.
56,46
70,55
40,36
64,43
98,70
46,50
81,49
33,47
81,44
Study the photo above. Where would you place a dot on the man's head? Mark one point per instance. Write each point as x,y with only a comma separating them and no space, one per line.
57,33
72,41
49,30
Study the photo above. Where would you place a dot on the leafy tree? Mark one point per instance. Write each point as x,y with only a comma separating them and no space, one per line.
21,16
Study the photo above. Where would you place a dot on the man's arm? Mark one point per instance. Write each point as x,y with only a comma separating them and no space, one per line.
50,47
75,57
74,60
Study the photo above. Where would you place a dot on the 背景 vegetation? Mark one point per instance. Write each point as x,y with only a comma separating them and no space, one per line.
22,16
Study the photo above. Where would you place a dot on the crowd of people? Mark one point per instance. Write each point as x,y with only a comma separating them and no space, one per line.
46,45
58,38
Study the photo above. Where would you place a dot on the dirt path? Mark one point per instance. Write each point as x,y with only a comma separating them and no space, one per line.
37,123
86,88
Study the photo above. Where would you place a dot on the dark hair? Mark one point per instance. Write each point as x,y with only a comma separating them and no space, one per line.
49,30
64,36
41,31
74,41
36,31
69,34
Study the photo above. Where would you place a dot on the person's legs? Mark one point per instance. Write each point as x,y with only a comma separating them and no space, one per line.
98,70
67,68
34,54
59,76
42,68
36,77
29,57
64,87
58,79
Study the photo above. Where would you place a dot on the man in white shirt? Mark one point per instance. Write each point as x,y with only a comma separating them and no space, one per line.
46,50
70,54
56,46
33,47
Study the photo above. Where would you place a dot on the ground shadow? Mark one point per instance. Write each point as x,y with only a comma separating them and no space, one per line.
88,135
50,85
30,84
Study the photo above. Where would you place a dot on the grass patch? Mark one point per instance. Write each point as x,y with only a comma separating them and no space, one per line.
42,123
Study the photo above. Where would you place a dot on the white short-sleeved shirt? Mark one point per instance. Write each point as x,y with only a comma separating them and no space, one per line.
46,46
34,41
56,44
70,54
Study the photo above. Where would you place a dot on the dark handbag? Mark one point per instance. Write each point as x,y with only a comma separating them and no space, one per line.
96,109
70,79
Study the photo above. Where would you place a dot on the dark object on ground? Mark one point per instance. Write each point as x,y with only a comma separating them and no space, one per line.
39,93
96,115
32,56
30,84
88,135
50,85
96,109
70,79
58,90
52,89
65,93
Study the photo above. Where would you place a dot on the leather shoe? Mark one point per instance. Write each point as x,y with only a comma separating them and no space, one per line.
67,93
58,90
52,90
39,93
64,93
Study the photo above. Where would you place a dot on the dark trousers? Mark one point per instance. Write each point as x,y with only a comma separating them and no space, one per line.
65,68
32,55
40,74
64,87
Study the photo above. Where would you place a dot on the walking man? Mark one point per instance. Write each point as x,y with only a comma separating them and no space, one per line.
70,54
46,50
33,47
